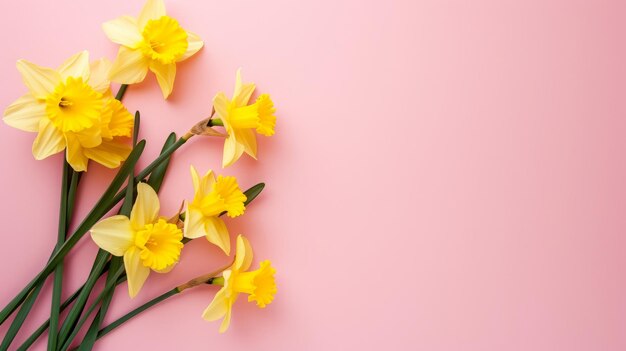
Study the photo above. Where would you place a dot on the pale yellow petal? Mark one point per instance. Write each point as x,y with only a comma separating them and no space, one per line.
99,75
74,154
220,104
194,224
76,66
146,208
202,185
113,234
232,151
194,44
90,137
136,272
165,76
49,141
217,308
40,81
124,31
129,67
243,256
247,138
110,153
242,92
226,321
217,233
25,113
153,9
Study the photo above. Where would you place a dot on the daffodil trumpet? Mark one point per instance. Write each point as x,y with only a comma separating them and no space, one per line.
259,284
251,194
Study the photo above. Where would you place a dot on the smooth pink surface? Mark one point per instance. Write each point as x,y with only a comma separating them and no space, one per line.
446,175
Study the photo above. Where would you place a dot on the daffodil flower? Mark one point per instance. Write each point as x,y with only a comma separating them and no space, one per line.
241,120
153,41
259,285
72,108
146,241
212,197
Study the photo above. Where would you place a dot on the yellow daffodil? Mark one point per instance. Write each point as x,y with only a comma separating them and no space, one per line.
146,241
153,41
259,285
241,120
212,197
72,108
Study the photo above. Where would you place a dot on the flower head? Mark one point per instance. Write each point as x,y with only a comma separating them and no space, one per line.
241,120
212,197
146,241
153,41
259,284
72,108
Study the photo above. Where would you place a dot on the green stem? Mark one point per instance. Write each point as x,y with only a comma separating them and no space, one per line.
104,331
104,205
121,92
44,326
58,272
215,122
32,297
107,288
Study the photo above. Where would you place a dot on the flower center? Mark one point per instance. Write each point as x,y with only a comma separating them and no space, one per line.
259,284
160,244
74,106
164,40
226,196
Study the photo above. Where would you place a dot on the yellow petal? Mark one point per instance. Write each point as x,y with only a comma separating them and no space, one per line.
226,321
217,308
194,224
146,208
217,233
124,31
136,272
113,234
194,44
76,66
122,121
232,151
202,186
220,104
110,153
40,81
25,113
242,92
49,141
153,9
74,154
165,76
129,67
243,256
247,138
89,137
99,75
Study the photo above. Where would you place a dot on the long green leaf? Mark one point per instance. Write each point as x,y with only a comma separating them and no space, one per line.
104,205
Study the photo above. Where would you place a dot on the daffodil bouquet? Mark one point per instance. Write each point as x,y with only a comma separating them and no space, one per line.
73,110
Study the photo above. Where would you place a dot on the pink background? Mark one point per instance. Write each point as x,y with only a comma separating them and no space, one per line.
446,175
